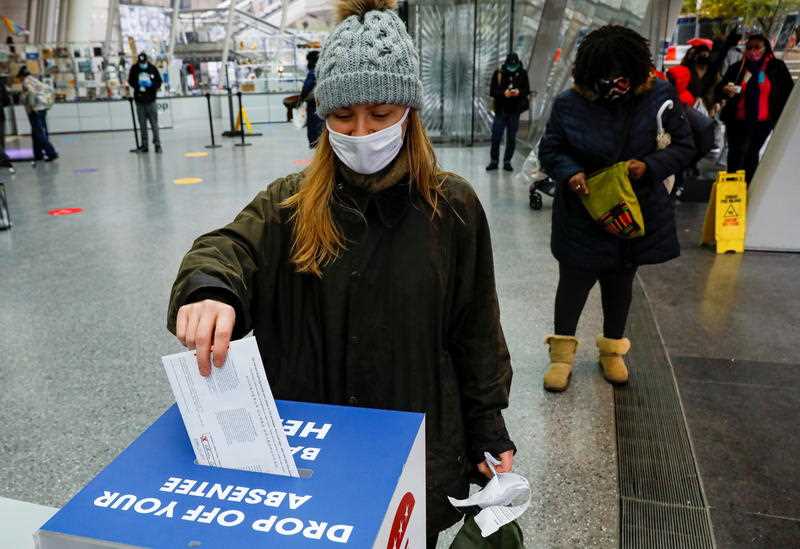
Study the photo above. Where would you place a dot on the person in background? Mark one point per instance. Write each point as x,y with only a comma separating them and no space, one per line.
37,97
703,75
609,116
755,92
368,277
728,49
145,81
5,101
314,124
680,76
510,89
705,61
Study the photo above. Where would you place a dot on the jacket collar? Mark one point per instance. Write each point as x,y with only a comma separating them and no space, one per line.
388,190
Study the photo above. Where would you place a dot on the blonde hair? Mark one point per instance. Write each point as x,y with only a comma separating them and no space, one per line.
316,240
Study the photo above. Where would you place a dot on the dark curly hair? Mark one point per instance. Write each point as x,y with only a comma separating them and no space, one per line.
612,50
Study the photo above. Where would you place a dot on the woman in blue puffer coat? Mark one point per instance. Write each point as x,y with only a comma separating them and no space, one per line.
610,115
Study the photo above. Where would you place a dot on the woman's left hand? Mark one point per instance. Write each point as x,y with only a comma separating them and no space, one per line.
636,168
506,464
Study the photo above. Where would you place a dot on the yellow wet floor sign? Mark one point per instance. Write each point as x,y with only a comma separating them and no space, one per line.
239,117
726,215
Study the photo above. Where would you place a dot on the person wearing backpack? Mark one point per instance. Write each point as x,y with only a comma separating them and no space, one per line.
510,89
37,97
145,81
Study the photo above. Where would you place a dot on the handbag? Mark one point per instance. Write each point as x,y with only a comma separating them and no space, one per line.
613,204
469,536
611,201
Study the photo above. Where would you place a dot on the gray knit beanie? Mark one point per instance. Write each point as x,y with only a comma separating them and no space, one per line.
368,58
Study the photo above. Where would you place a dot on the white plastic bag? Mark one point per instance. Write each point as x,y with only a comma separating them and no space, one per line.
530,170
299,117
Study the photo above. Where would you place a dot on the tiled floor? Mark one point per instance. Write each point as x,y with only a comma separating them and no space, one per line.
83,318
731,325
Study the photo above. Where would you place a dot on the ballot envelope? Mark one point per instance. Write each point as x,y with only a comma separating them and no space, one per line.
362,485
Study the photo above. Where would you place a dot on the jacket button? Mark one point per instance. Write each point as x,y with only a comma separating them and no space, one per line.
352,400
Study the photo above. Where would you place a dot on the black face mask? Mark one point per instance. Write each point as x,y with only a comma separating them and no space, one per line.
613,89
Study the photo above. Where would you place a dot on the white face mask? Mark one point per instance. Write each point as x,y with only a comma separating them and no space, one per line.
368,154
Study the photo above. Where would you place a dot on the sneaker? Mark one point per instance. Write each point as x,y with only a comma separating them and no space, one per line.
508,167
51,158
143,150
158,149
11,170
491,167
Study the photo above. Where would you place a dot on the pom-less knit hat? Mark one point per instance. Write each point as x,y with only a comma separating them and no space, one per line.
368,58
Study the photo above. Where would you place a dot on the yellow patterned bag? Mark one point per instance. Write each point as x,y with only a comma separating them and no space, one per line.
613,204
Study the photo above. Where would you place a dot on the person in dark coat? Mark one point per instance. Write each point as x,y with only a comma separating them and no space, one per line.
510,89
705,60
607,117
367,279
314,124
145,81
755,92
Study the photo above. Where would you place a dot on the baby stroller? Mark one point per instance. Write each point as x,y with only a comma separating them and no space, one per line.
537,189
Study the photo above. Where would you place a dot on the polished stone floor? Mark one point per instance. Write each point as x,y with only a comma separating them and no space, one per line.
83,318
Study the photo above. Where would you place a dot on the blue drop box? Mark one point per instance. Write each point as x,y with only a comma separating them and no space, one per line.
366,489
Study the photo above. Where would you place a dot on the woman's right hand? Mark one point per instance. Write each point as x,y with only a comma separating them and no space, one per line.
730,89
204,326
578,184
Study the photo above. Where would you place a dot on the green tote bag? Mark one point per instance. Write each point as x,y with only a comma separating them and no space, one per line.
469,537
613,204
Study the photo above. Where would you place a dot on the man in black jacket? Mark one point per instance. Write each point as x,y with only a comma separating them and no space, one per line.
510,89
145,81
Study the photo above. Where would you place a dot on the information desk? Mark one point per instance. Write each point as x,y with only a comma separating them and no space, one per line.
115,114
364,487
91,116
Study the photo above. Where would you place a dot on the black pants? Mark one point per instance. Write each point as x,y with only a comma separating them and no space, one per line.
744,143
507,123
616,290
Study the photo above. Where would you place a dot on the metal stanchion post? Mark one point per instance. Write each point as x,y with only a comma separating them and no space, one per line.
241,121
231,132
135,129
210,124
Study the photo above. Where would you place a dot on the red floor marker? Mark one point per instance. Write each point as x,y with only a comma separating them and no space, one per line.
65,211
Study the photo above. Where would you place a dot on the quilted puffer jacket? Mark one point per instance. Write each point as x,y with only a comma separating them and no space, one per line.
584,134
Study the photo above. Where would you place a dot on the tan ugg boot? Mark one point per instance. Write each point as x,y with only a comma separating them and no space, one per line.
612,352
562,356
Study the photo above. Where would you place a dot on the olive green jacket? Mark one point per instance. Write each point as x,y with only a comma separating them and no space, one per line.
406,318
